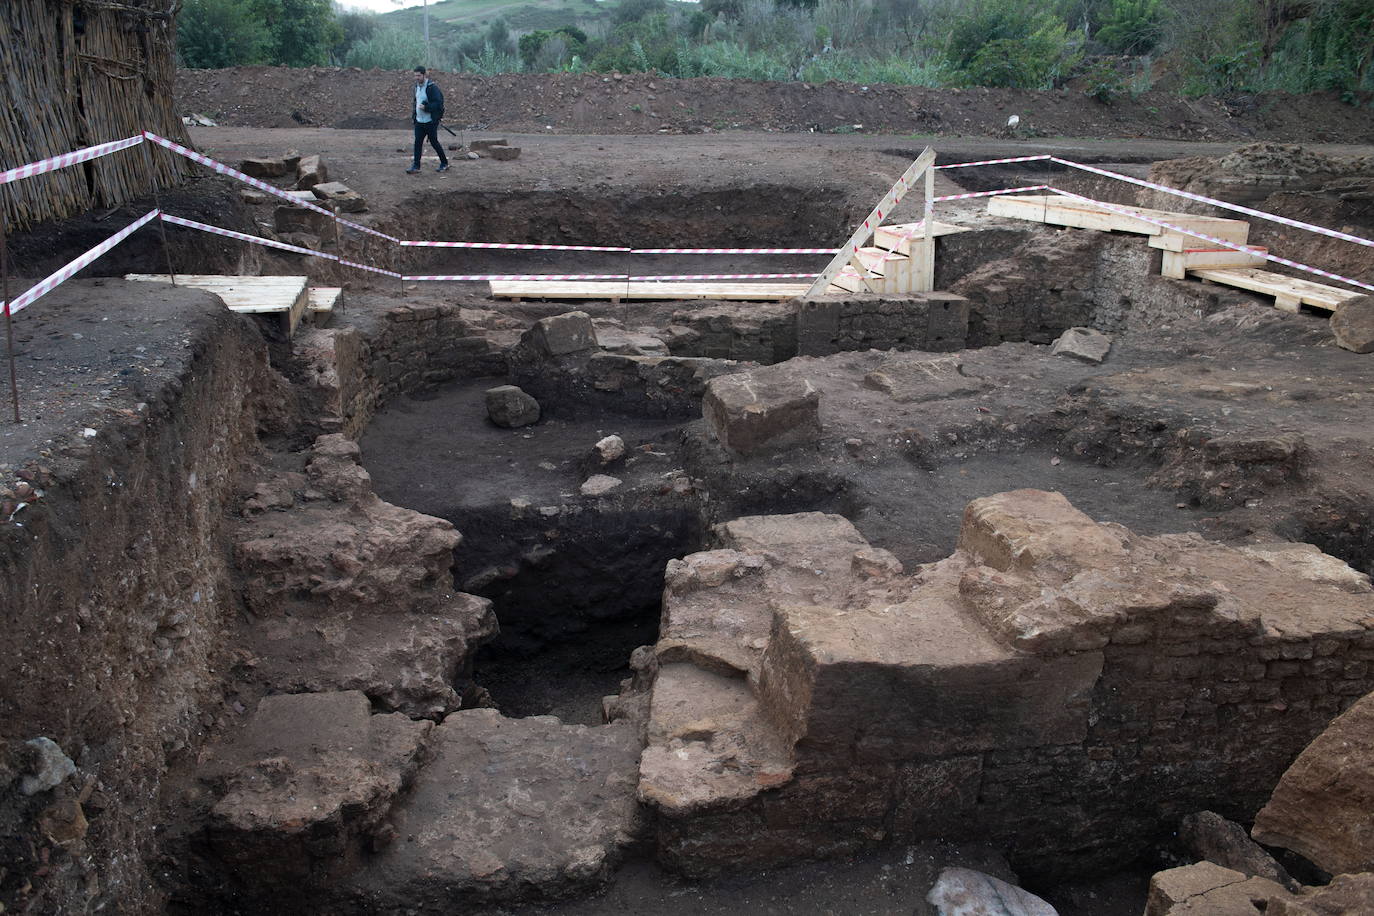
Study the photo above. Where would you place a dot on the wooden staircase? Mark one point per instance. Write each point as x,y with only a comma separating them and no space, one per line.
892,264
1184,255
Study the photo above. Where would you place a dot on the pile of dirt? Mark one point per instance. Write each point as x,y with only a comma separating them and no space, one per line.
593,103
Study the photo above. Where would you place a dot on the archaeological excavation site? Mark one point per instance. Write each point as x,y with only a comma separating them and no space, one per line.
746,522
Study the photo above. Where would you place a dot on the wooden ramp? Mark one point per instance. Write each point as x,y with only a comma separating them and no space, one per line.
1290,294
285,297
1055,210
619,290
1184,255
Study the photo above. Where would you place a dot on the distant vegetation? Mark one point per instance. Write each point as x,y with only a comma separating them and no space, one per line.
1109,47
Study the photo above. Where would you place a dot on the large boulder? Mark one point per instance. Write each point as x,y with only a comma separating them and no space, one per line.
561,335
1321,807
1353,324
768,407
509,406
1085,344
1212,837
965,892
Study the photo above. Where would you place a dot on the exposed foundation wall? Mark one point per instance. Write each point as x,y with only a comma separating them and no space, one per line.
113,601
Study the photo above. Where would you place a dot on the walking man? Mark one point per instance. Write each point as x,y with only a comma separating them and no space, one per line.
429,109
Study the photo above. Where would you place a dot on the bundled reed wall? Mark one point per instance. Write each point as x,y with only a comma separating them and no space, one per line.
74,73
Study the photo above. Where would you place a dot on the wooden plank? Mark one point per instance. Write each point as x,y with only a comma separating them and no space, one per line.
1080,214
924,256
324,298
1176,264
865,230
1288,292
670,290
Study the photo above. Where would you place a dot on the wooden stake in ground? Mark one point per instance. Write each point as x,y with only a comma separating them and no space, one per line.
9,319
161,226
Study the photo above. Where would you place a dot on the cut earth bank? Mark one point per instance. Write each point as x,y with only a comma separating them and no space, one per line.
274,665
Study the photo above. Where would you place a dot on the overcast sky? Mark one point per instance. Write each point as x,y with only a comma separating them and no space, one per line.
379,6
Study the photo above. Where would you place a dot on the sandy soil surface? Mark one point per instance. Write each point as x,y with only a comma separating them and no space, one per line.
642,104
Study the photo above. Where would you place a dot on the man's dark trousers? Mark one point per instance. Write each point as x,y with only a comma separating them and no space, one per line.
428,129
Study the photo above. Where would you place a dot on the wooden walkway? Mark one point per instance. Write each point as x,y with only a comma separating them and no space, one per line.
288,298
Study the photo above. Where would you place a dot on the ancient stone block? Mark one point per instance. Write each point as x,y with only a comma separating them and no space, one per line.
765,407
1210,836
509,407
288,218
506,805
560,335
1346,895
484,144
344,198
1320,808
913,378
263,168
1205,889
310,172
1353,324
303,788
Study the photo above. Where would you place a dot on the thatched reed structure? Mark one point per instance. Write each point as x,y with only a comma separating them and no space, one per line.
74,73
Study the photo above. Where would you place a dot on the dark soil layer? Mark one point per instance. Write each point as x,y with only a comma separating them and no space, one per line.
641,104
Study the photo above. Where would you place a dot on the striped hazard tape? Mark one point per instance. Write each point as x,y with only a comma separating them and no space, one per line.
66,159
66,272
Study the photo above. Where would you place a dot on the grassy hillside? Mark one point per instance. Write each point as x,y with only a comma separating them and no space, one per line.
473,16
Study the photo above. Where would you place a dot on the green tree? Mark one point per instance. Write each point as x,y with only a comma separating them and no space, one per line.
1131,26
220,33
303,31
355,28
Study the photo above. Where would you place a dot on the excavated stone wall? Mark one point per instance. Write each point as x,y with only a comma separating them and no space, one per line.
1062,689
115,594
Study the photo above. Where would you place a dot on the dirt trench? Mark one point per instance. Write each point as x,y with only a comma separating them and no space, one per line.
362,588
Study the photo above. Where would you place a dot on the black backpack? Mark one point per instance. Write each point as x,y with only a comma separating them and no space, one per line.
434,100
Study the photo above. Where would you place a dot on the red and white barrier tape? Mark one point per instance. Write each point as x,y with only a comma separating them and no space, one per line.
375,270
1296,224
621,278
243,236
66,159
733,250
65,273
513,245
969,165
1034,187
223,169
475,278
1234,246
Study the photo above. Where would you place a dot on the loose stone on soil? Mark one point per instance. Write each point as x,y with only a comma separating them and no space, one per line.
344,198
510,407
600,485
1353,325
49,768
1087,344
763,407
965,892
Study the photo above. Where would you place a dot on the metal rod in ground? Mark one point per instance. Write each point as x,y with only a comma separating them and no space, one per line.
9,318
157,203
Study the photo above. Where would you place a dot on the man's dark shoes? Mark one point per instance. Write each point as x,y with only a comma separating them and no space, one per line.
442,168
412,170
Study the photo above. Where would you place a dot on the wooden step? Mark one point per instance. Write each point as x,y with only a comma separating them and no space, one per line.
283,296
902,237
618,290
1176,264
848,280
1289,293
322,301
1056,210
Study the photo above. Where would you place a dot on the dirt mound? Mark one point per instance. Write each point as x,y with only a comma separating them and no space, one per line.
641,103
